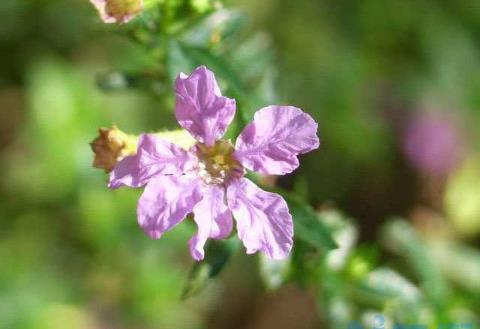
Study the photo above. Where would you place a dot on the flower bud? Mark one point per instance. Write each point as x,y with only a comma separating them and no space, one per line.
111,146
118,11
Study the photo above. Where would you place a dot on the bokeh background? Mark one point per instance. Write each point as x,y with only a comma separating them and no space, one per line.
395,87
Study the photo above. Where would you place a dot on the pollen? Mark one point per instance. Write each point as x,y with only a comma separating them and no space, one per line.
217,163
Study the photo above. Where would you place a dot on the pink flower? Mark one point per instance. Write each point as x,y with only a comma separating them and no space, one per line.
433,143
118,11
208,179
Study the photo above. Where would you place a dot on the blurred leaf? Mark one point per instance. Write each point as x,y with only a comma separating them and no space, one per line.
458,262
253,56
310,226
399,236
60,103
340,312
273,272
345,234
384,285
219,65
300,188
217,254
213,28
201,6
363,259
155,280
110,81
177,60
266,88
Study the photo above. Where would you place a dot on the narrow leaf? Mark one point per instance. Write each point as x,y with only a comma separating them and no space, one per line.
309,226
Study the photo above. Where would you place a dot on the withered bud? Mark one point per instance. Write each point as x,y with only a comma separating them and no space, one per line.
111,146
118,11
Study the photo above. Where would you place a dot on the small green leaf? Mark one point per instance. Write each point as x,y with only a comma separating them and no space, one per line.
217,254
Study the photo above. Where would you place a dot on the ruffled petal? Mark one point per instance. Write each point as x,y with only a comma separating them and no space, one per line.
200,107
125,173
263,220
270,144
165,202
155,156
213,218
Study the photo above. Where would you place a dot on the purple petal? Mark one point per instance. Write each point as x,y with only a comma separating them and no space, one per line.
270,144
200,107
213,218
166,201
155,156
263,220
100,6
125,173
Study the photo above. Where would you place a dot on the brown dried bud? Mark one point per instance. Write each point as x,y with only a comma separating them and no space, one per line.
118,11
111,146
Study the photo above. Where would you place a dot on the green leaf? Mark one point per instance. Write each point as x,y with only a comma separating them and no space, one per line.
400,236
253,56
177,60
459,262
345,234
217,254
274,273
384,285
219,65
309,226
224,23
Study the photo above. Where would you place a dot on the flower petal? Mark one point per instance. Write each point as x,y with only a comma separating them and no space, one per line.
213,218
270,144
155,156
125,173
100,6
200,107
263,220
166,201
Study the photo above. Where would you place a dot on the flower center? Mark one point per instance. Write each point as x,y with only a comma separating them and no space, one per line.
217,163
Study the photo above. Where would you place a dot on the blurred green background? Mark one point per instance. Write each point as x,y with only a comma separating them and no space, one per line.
395,87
